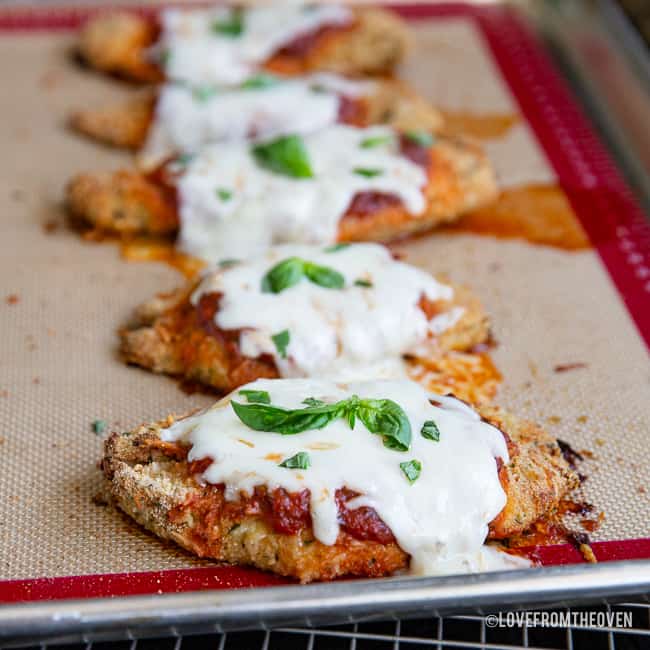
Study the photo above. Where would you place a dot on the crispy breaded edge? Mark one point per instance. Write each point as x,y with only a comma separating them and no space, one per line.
116,43
127,203
153,489
126,125
162,339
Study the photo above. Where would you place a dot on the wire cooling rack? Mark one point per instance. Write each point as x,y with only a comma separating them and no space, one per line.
464,632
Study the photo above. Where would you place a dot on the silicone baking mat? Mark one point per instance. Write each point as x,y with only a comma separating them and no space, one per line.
572,319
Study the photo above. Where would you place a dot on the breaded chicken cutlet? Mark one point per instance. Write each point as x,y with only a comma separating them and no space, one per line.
219,331
458,177
136,122
373,41
165,483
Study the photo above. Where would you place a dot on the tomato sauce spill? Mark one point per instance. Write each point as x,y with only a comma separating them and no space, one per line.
539,214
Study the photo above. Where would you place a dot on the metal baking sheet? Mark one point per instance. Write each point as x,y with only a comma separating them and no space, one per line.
64,298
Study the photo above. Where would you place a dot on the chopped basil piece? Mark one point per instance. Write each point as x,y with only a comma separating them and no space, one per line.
380,416
99,426
289,272
300,461
256,396
312,401
184,159
368,173
224,195
430,431
363,283
260,81
281,341
335,247
226,264
411,469
323,276
232,26
376,141
164,58
203,93
421,138
286,155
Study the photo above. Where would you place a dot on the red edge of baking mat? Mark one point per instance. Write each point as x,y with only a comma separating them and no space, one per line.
600,197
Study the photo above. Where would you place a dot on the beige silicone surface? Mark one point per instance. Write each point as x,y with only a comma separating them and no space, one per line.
58,365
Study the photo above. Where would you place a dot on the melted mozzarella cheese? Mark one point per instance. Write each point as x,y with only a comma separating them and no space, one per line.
185,120
441,519
198,52
352,332
265,208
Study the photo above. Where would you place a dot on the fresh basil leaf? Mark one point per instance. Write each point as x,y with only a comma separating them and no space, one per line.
411,469
260,81
185,159
335,247
376,141
223,194
164,58
430,431
367,172
312,401
421,138
227,263
300,460
256,396
363,283
283,275
286,155
99,426
289,272
323,276
387,419
281,340
232,26
273,419
203,93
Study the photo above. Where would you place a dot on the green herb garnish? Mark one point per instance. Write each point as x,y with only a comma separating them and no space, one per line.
289,272
300,461
227,263
164,58
203,93
223,194
312,401
259,81
380,416
411,469
256,396
430,431
286,155
99,426
335,247
421,138
281,341
363,283
232,26
184,159
376,141
368,173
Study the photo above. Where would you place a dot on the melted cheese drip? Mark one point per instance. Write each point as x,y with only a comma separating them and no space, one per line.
184,121
441,520
268,208
350,333
199,54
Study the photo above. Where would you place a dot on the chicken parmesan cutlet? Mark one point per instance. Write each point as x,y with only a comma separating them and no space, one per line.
341,183
178,118
348,311
314,479
223,44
